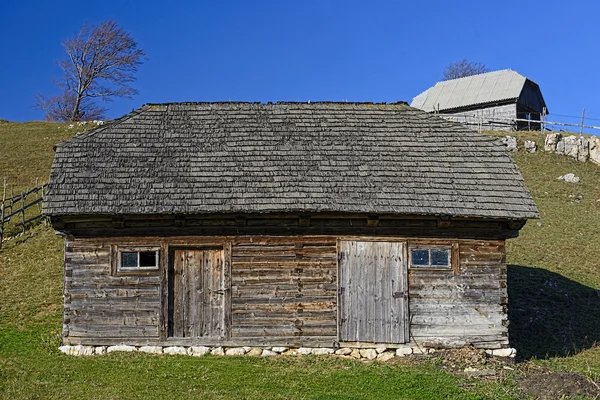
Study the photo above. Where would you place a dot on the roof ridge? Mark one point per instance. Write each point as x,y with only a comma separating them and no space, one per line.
399,102
482,73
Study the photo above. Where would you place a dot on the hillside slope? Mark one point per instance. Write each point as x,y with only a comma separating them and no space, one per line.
553,281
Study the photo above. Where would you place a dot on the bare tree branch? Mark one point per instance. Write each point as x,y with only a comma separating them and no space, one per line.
101,63
462,68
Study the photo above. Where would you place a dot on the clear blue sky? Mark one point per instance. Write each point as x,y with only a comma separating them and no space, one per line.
381,51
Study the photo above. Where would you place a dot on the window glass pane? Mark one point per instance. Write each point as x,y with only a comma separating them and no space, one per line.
420,257
440,257
129,260
147,258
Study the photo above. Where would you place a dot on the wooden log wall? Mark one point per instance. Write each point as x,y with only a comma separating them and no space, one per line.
101,306
464,306
285,288
281,291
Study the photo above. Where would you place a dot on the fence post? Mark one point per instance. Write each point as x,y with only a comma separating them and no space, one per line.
37,194
23,211
2,212
582,118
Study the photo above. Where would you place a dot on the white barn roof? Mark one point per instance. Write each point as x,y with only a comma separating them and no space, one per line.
490,87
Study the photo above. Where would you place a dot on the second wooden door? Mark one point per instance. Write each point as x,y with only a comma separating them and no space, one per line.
197,293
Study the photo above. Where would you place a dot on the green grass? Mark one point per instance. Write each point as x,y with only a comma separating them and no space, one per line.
27,150
553,274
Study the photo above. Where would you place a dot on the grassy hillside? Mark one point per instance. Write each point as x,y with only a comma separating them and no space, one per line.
554,282
26,150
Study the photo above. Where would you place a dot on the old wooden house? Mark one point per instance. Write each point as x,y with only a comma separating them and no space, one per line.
292,224
498,100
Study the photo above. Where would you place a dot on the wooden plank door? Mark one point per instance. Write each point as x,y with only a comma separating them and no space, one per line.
197,293
373,292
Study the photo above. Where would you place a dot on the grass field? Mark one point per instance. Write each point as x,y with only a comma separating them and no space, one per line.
554,282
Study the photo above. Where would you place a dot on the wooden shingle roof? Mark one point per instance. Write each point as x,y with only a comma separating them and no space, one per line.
187,158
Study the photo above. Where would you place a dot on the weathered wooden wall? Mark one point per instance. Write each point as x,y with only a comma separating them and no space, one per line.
493,117
101,305
282,290
468,306
285,289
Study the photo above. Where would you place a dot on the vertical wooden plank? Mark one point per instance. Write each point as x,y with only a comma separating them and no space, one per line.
384,266
368,268
178,265
398,287
216,293
227,290
194,287
403,268
163,317
359,293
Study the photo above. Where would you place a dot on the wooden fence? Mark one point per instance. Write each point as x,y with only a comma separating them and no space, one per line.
14,208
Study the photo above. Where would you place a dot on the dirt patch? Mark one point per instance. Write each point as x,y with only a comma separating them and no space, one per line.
471,362
557,385
535,381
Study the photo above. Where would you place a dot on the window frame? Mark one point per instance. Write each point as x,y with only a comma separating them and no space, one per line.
430,267
118,251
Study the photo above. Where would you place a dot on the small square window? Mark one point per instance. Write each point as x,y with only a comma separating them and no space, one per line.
420,257
137,259
440,257
430,257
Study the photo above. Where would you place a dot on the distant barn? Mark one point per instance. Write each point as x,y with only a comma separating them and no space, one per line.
494,100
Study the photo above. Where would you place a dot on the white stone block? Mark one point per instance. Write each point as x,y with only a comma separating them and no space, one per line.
175,350
530,146
369,354
151,349
380,350
355,353
510,352
199,351
344,351
570,178
268,353
304,350
235,351
321,351
247,348
510,142
595,151
385,356
120,347
279,349
100,350
404,351
78,350
551,142
217,351
255,352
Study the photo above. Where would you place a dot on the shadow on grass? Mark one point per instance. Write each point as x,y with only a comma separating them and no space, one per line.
549,314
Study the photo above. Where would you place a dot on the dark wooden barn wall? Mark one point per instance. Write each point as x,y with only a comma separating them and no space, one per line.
283,291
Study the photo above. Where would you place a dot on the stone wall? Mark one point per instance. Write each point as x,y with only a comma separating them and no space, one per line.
582,148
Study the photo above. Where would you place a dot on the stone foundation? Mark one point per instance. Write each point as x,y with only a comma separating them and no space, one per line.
376,353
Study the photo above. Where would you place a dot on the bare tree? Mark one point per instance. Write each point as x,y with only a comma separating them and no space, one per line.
101,63
462,68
